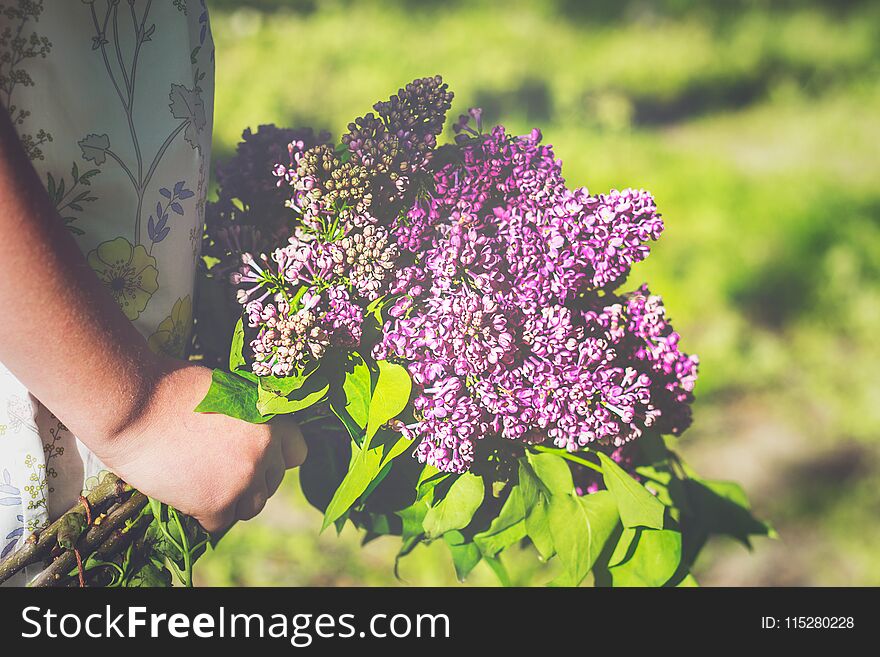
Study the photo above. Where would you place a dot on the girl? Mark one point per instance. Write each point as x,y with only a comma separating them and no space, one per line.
104,153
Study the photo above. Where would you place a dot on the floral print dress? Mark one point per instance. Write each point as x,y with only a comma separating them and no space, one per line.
113,102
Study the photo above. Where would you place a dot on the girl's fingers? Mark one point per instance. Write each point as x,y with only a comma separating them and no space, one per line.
293,445
274,477
252,501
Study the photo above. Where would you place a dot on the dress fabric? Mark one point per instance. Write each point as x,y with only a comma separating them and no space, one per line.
113,102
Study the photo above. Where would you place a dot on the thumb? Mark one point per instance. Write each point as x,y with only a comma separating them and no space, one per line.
293,445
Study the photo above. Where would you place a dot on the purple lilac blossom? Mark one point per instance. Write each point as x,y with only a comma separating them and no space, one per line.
498,284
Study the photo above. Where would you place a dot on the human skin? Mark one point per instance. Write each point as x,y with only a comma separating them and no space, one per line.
64,337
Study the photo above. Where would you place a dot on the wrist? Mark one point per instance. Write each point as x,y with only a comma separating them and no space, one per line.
133,409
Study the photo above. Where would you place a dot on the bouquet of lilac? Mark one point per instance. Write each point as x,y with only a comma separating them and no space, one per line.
450,327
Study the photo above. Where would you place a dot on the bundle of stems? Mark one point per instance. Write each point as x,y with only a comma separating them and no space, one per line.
83,545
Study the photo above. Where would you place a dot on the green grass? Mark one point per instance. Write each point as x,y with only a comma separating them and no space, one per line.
756,130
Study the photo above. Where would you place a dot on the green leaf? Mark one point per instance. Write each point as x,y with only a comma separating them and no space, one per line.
654,560
456,509
412,531
507,528
536,496
499,570
378,479
375,306
365,466
553,472
492,544
621,550
328,461
236,357
465,555
660,475
339,523
580,527
378,524
688,581
350,393
234,396
150,576
664,485
721,507
358,391
531,488
602,516
728,490
397,448
637,507
571,536
428,481
155,507
407,546
413,516
386,446
285,385
538,529
312,390
390,396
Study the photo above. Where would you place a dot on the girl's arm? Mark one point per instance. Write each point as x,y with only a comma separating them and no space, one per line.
63,336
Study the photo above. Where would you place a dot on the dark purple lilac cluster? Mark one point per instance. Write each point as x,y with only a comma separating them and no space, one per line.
497,284
249,215
396,145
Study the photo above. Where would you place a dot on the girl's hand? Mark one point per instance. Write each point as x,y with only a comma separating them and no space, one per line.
212,467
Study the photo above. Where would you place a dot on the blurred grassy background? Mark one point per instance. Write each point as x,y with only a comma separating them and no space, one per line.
756,125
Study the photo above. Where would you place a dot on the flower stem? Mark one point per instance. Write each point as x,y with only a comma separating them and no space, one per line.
39,545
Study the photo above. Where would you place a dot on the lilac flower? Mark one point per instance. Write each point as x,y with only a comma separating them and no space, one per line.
366,257
452,424
288,340
674,372
604,235
397,144
497,284
249,215
343,319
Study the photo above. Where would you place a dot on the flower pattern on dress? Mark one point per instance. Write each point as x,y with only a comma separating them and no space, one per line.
52,449
18,44
171,201
90,483
129,272
172,335
21,414
37,490
11,496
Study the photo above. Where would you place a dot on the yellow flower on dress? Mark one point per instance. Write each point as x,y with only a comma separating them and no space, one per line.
92,482
172,334
129,272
